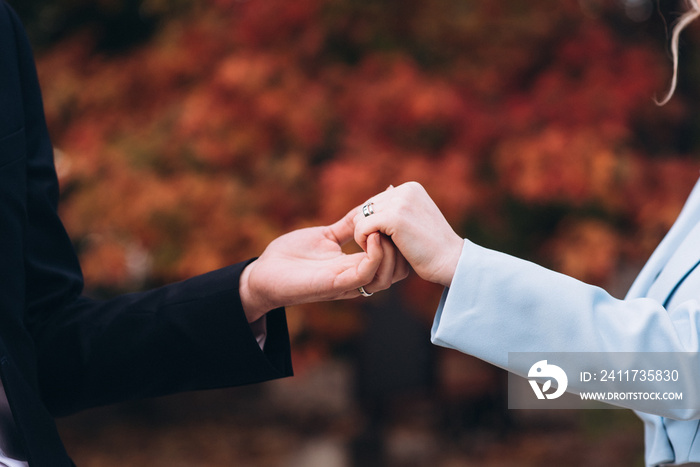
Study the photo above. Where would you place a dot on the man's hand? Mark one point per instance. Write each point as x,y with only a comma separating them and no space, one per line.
308,265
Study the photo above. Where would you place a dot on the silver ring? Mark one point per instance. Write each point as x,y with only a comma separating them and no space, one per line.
361,289
367,209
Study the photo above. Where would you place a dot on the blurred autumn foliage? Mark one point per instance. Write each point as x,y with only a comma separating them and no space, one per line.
189,134
218,125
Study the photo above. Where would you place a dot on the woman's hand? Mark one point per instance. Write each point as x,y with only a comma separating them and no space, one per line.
414,223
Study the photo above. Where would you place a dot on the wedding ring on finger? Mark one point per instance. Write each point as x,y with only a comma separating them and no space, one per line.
367,209
364,293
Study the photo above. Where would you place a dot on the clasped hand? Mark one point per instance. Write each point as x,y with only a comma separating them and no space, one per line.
308,265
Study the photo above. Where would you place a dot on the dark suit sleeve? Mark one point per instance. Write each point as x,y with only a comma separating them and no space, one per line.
189,335
186,336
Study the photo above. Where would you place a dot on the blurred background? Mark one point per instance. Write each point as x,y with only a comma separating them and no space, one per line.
190,133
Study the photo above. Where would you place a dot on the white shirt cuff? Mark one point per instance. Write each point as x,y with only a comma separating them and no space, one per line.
259,329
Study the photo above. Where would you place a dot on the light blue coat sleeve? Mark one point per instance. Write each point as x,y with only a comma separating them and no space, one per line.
498,304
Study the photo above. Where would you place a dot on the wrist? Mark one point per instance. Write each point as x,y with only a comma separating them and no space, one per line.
254,306
453,253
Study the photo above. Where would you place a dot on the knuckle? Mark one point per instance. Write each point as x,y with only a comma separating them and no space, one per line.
414,187
382,284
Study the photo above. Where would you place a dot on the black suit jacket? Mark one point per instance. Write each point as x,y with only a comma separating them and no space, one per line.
61,352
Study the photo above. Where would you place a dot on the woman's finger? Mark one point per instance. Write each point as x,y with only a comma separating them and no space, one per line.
385,273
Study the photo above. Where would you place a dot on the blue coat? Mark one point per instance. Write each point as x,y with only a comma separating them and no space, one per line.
498,304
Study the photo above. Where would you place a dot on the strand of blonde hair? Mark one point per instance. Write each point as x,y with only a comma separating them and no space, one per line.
687,18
